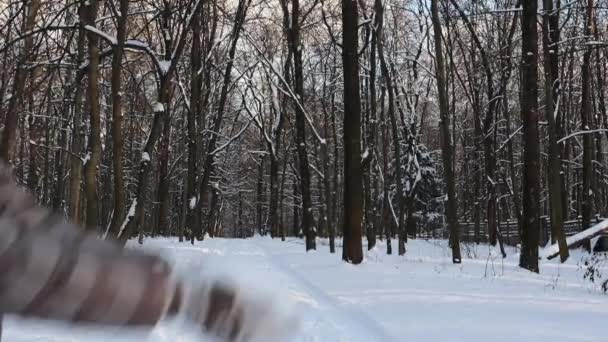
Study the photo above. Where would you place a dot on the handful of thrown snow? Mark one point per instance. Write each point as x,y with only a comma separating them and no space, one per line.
230,312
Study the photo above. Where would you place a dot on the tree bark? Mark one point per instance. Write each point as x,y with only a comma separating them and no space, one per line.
117,119
295,46
94,148
194,112
552,115
353,186
586,118
77,144
446,144
274,145
529,115
386,75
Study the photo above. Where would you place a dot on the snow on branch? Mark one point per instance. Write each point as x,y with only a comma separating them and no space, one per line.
130,216
110,39
599,130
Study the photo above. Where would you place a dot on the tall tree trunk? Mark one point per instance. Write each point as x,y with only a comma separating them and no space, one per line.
386,75
192,218
164,177
446,144
327,194
77,144
274,146
552,115
387,218
94,148
353,182
281,198
117,110
371,203
335,176
529,115
586,119
162,198
601,122
295,46
259,207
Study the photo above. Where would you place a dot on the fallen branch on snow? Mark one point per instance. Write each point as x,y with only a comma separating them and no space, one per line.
577,239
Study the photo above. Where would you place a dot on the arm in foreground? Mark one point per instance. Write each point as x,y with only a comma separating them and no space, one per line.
51,269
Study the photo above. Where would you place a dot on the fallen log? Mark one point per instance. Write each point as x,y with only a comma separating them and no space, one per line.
577,239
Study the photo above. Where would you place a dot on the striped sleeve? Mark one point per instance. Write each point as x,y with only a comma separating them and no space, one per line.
50,269
53,270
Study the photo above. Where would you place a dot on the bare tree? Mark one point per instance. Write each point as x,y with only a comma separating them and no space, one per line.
552,115
353,187
446,144
529,115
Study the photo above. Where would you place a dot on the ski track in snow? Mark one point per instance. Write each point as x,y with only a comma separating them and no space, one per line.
418,297
352,321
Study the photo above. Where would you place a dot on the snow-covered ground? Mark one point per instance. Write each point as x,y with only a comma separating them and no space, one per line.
419,297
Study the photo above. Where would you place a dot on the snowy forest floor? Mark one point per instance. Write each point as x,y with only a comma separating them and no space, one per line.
421,296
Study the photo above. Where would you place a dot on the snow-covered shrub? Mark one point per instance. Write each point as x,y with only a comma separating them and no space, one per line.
596,269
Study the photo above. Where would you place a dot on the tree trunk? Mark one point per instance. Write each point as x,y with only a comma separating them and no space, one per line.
446,146
281,197
353,182
586,117
117,110
295,46
327,190
371,203
259,207
554,179
529,115
192,218
77,143
164,177
386,75
387,218
335,176
94,148
274,147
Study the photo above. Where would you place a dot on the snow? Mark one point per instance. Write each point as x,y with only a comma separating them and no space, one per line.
129,217
158,107
110,39
365,154
164,66
419,297
145,156
86,159
192,204
136,43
